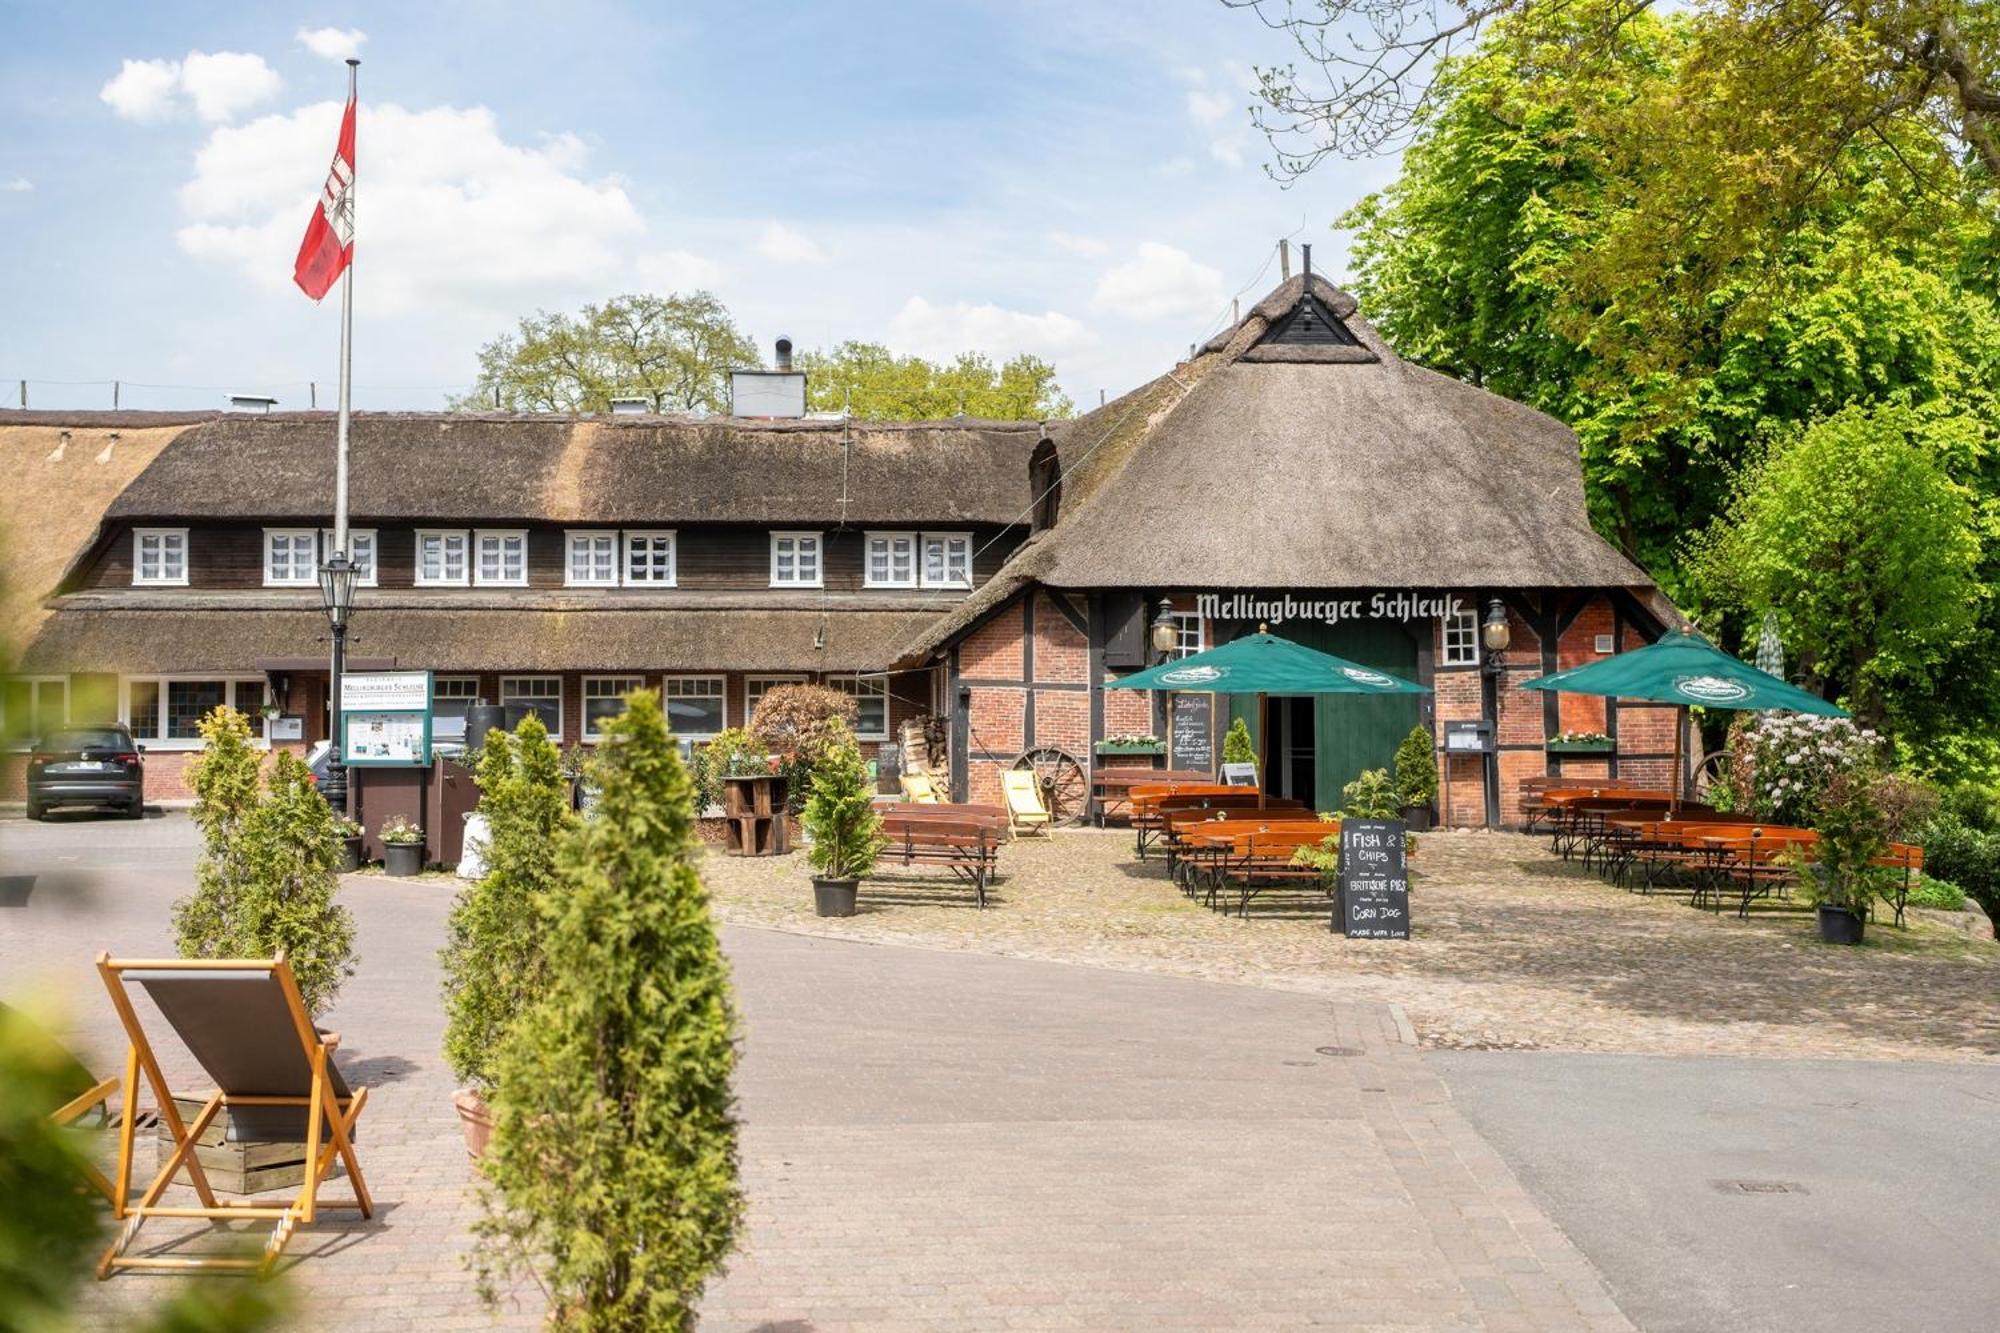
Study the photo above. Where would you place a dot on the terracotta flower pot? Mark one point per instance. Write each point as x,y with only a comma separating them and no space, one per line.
475,1119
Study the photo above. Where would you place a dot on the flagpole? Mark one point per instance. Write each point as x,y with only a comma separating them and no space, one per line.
337,777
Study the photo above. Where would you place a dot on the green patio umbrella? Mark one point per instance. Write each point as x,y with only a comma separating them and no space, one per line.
1264,664
1685,669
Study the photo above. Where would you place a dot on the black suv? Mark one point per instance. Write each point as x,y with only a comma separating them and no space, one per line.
87,766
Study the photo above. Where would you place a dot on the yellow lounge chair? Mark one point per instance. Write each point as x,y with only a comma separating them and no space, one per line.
1025,811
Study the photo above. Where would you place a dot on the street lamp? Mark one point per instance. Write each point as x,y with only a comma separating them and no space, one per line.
1165,631
336,594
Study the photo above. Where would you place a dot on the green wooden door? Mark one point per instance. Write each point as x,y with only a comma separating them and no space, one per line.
1352,732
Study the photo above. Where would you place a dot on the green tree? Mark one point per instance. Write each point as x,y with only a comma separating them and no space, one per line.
675,350
1487,260
1853,532
613,1165
1236,744
871,382
840,814
1416,767
493,961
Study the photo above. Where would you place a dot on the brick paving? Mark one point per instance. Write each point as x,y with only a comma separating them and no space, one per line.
1513,949
931,1140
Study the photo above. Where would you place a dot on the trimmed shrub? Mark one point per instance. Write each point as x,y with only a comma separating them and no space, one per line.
613,1164
492,958
1236,745
1371,796
1967,857
795,723
840,815
1416,767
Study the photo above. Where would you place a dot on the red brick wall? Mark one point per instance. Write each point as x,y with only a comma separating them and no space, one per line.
993,651
1062,653
1127,712
1062,717
1578,647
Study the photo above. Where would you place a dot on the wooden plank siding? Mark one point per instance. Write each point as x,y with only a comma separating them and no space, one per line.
721,558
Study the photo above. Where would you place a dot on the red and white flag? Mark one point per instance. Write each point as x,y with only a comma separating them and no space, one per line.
329,244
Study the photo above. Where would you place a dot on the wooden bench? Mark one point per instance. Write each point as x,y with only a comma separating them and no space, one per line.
1179,815
1111,788
967,845
1255,855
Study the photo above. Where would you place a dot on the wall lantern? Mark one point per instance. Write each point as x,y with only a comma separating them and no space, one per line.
1166,631
1495,633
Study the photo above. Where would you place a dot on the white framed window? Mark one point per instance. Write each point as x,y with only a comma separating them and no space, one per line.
360,551
502,558
32,707
891,560
1461,640
166,711
1188,639
604,699
649,559
160,557
541,693
795,560
756,687
947,560
450,697
871,702
695,708
441,558
591,560
291,557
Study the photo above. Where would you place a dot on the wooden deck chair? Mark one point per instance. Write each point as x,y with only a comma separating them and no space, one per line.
87,1092
1025,811
243,1021
919,788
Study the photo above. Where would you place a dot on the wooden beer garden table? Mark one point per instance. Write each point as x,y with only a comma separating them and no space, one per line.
1111,788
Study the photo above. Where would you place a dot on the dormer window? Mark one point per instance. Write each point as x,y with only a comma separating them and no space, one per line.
503,558
947,560
360,550
795,560
441,558
593,560
291,557
649,559
891,560
160,557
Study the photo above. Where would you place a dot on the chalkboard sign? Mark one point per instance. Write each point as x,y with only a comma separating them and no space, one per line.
1239,775
1374,880
1191,736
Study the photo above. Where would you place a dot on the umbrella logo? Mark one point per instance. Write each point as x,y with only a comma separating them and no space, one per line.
1711,689
1195,675
1363,676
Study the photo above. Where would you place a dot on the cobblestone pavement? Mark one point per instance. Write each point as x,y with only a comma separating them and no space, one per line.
930,1140
1513,948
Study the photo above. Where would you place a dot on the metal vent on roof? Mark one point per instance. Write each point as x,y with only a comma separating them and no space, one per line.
251,402
630,406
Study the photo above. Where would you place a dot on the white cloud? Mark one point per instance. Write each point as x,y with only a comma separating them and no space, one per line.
332,43
142,90
18,185
226,82
677,271
1088,246
450,214
219,85
782,245
1160,282
1220,114
945,330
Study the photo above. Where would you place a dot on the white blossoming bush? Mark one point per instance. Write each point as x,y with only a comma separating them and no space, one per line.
1785,760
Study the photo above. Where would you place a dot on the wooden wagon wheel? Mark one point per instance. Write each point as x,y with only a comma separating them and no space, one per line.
1710,775
1065,787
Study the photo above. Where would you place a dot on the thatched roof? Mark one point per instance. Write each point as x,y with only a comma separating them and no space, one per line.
472,467
221,634
1265,465
53,493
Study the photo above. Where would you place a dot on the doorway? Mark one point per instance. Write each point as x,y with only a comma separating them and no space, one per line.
1291,763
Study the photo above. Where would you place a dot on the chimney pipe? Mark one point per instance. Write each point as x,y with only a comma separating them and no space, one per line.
1285,259
1307,251
784,354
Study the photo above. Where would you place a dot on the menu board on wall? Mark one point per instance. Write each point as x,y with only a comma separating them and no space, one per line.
1191,733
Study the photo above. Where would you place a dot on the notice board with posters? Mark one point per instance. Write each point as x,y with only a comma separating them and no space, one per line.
1374,880
385,719
1191,733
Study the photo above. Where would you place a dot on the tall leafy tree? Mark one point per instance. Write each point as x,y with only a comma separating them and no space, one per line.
676,351
870,381
613,1161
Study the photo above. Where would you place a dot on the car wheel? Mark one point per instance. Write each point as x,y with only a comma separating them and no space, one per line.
37,812
136,810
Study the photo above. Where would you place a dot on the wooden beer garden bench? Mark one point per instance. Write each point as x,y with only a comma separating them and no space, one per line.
1146,799
961,839
1178,820
1111,788
1254,855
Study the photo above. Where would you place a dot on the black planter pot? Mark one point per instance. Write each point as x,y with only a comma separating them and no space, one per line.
403,858
350,855
1837,925
1417,817
834,897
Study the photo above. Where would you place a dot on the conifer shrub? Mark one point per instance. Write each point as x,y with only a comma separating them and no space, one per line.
612,1172
1416,768
492,959
1236,744
840,814
268,871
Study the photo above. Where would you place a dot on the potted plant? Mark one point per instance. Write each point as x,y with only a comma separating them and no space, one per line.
1236,744
350,845
1417,776
1853,833
402,846
840,820
1581,742
1131,743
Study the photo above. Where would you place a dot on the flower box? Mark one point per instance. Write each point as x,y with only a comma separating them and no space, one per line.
1582,747
1130,747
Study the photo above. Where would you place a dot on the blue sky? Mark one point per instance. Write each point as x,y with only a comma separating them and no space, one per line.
1079,180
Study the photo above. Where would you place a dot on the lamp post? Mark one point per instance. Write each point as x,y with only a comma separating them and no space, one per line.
336,594
1495,636
1163,636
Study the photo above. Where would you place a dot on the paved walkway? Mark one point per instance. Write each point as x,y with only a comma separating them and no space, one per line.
932,1140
